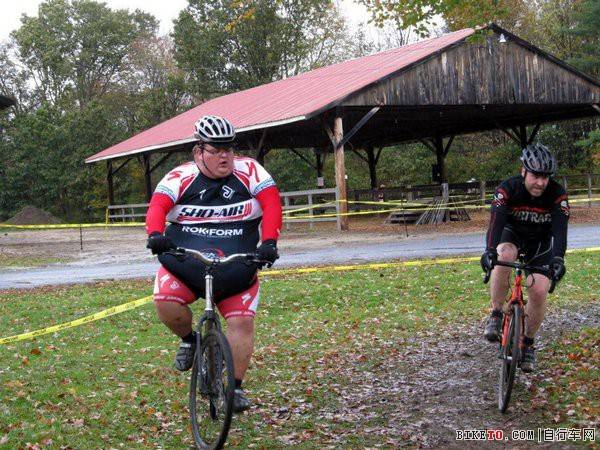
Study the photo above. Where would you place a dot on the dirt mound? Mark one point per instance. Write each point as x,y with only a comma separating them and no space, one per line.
30,215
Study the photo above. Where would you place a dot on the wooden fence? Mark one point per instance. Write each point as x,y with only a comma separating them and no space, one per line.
312,206
322,205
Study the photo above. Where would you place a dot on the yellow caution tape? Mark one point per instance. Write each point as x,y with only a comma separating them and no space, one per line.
74,323
400,206
375,266
72,225
281,272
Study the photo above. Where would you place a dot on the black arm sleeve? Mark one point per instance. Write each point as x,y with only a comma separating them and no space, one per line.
560,220
498,218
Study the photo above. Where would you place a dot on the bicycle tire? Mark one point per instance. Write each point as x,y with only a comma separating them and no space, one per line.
510,357
211,397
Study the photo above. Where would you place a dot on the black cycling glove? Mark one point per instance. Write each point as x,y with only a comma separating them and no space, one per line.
557,265
268,251
488,259
159,243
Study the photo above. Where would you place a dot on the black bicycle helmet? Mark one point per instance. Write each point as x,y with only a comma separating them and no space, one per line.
537,158
214,130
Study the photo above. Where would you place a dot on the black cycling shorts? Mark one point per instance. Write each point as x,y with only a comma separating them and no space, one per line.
228,280
537,250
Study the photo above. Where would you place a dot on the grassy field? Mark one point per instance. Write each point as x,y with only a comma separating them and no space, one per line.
12,261
109,384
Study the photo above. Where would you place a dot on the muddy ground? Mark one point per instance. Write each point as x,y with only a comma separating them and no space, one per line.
442,383
447,382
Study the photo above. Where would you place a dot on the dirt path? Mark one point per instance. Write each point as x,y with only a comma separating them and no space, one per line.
436,386
128,244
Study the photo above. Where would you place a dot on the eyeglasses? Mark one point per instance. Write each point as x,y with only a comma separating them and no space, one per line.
219,151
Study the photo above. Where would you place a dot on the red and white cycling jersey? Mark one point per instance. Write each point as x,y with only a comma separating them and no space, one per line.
221,213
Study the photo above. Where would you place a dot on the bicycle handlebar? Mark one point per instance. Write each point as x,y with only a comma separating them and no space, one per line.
523,266
216,260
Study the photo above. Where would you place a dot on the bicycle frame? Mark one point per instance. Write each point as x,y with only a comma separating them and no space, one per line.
513,329
209,307
516,297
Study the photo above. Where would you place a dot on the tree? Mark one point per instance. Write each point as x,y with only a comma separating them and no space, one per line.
227,45
13,79
586,28
43,159
423,14
75,49
153,89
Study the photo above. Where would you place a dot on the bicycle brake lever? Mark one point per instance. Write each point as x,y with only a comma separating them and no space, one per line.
552,286
486,276
179,254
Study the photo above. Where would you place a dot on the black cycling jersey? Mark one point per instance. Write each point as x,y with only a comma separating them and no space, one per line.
531,218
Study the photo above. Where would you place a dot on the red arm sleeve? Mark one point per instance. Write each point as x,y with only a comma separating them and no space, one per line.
270,203
160,205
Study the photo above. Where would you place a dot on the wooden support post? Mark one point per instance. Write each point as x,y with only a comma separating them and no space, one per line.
260,156
109,179
441,158
533,134
310,211
320,160
147,176
340,170
482,190
372,161
523,136
589,183
286,202
445,198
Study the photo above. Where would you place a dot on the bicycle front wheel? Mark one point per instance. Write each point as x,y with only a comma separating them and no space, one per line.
510,355
212,389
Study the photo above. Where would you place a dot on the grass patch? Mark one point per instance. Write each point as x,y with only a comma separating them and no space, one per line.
570,388
109,384
10,261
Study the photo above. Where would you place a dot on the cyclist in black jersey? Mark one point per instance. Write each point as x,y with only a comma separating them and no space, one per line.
530,213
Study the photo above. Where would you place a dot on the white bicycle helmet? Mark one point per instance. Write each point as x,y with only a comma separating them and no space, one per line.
214,130
537,158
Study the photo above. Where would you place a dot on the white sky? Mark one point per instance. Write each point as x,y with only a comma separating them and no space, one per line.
164,10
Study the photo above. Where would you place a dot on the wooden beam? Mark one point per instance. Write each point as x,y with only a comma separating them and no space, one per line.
356,152
533,133
378,155
448,144
260,155
358,126
428,144
121,166
261,141
304,158
512,136
160,161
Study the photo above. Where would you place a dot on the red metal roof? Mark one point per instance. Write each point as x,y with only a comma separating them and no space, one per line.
284,101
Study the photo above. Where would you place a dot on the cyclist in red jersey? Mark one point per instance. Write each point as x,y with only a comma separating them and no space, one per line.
216,203
530,214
